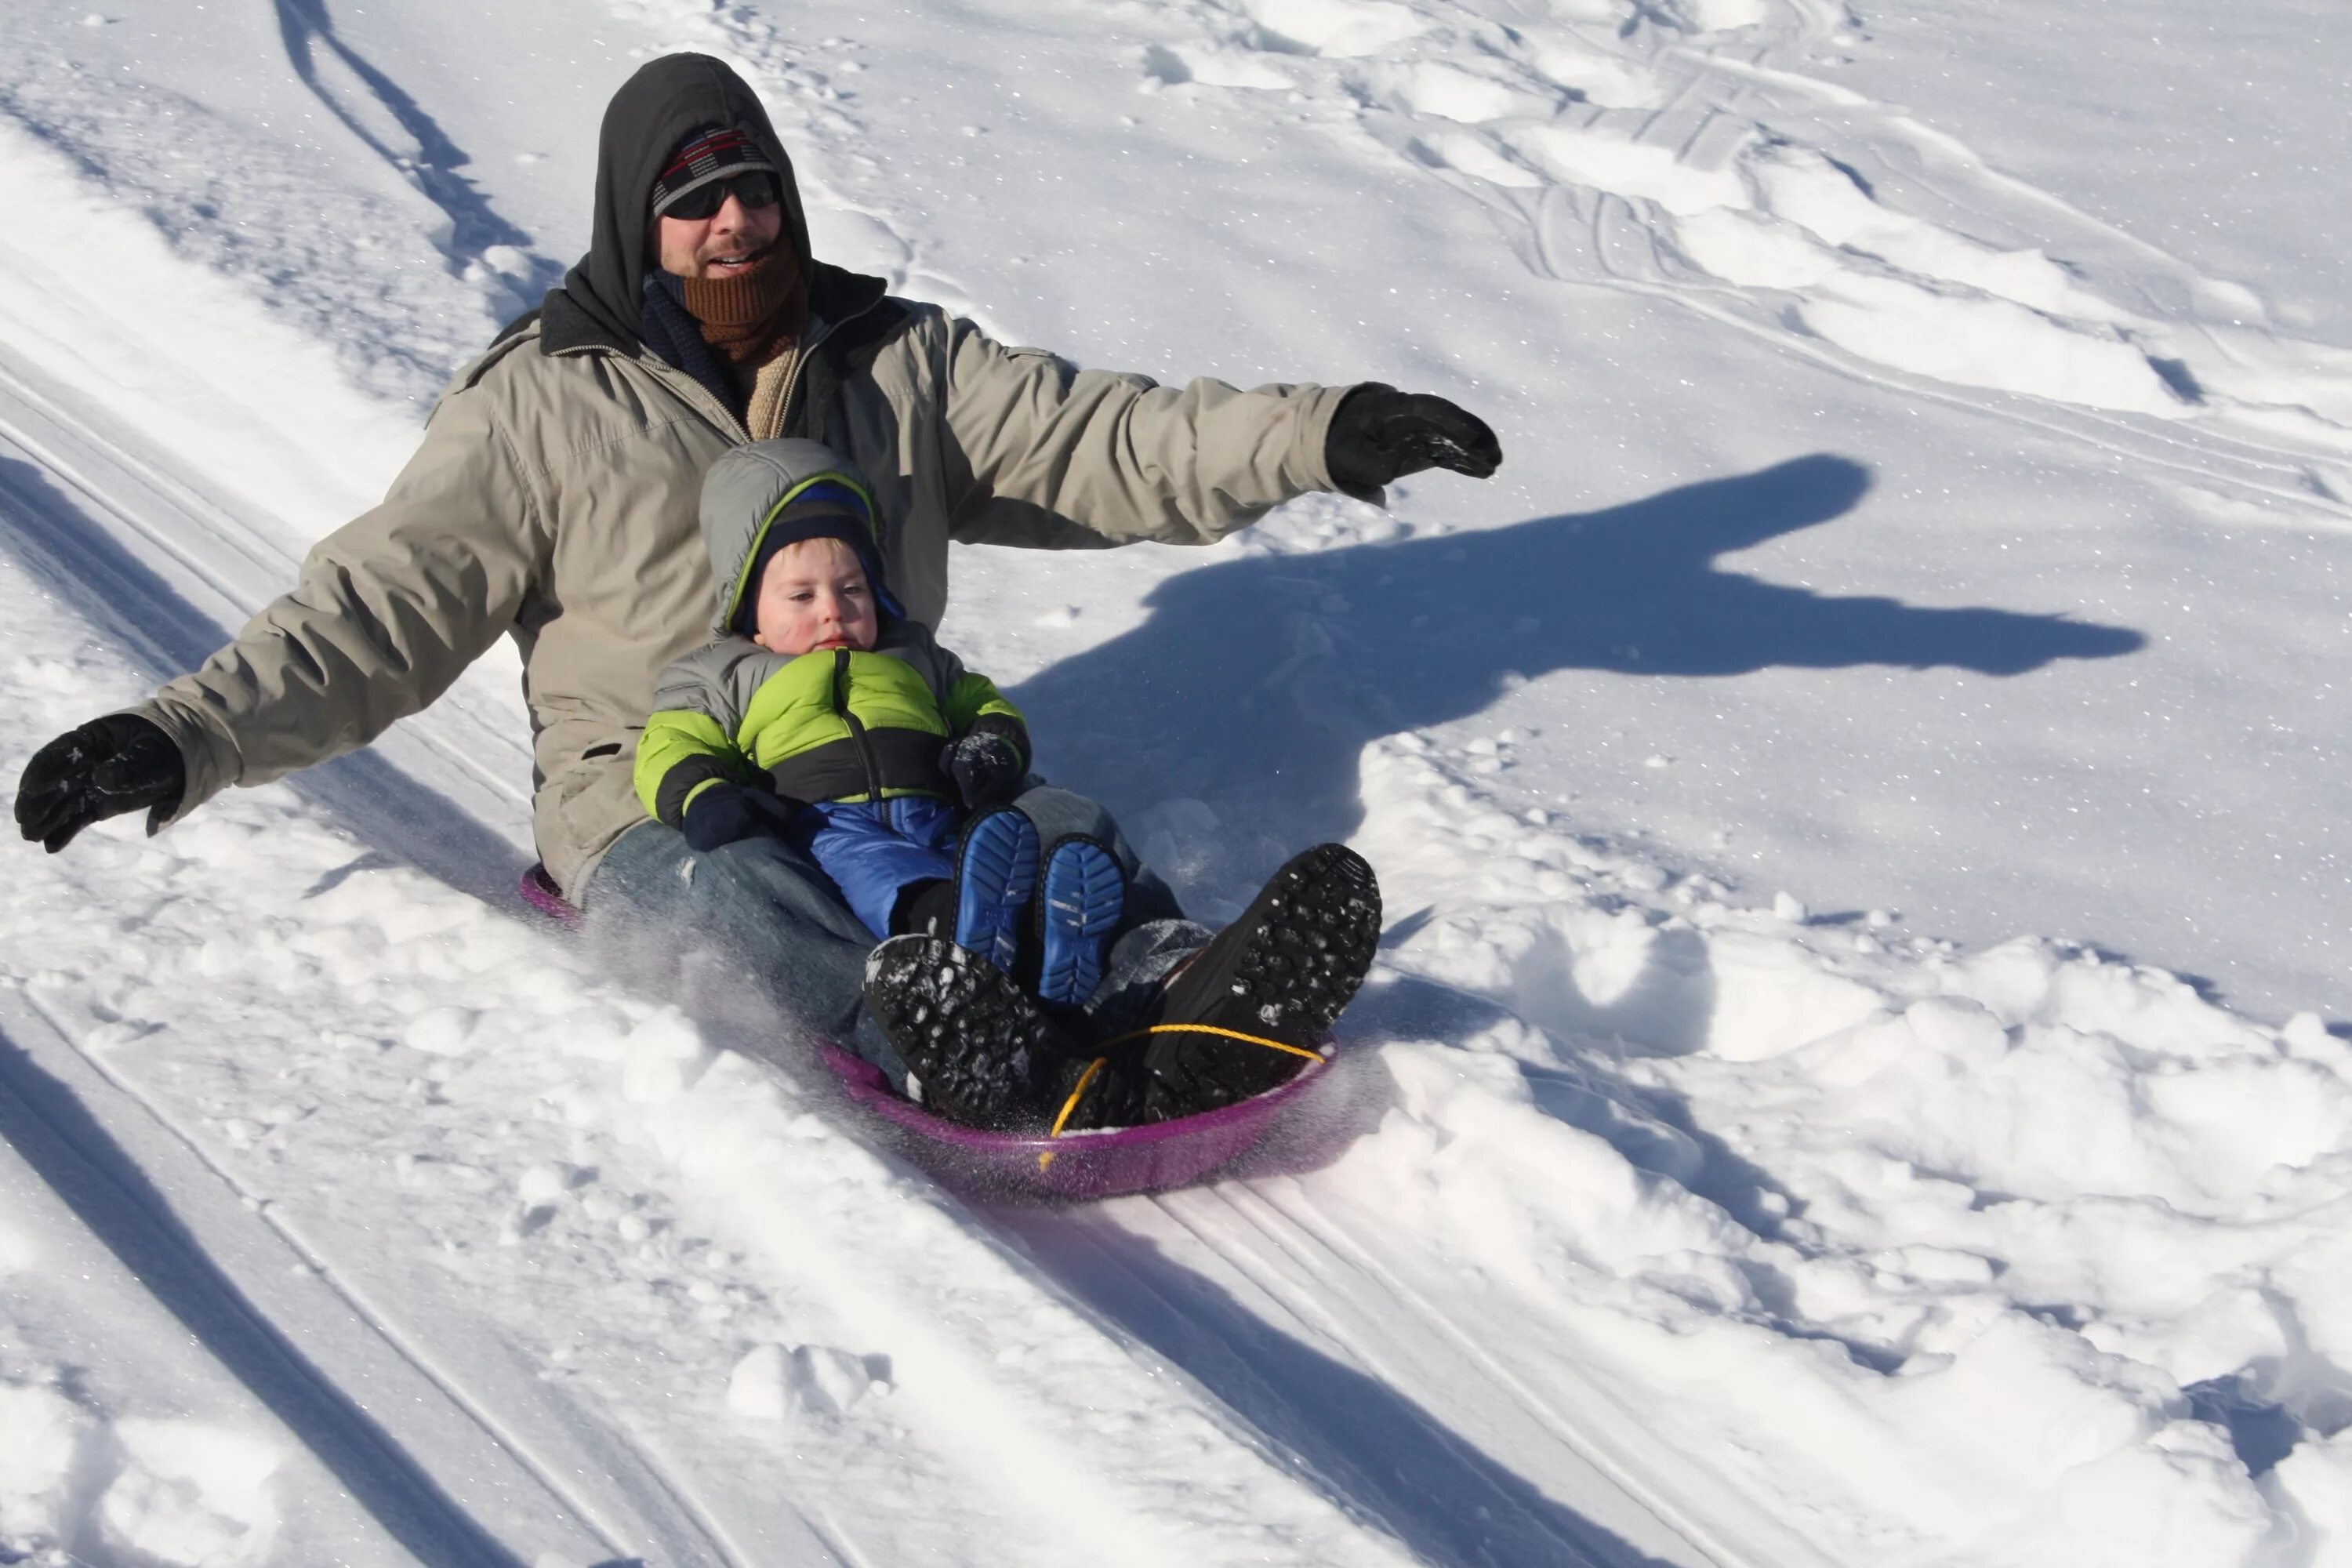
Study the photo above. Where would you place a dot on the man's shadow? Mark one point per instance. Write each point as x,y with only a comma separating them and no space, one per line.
1256,683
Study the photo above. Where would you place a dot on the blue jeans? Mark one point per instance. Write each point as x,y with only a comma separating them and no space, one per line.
753,939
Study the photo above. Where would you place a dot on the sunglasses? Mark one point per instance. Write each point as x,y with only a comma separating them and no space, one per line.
754,190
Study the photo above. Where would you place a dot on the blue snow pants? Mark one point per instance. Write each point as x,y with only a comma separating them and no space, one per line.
872,849
756,942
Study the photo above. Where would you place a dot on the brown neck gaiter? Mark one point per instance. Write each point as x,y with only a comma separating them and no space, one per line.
746,317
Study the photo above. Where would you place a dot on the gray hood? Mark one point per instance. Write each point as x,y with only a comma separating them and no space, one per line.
784,490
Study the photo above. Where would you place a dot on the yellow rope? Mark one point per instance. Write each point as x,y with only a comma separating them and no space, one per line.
1212,1030
1070,1106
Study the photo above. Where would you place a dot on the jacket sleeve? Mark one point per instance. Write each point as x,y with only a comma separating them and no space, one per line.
968,699
974,703
688,743
388,611
1040,452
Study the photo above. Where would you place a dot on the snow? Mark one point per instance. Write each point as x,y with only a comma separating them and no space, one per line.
1857,1069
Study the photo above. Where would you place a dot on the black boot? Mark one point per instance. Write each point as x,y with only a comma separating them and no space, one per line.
1103,1091
1284,971
979,1051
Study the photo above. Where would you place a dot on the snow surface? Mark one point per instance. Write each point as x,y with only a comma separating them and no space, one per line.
1924,524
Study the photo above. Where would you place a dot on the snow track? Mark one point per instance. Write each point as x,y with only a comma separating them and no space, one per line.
253,1296
105,525
1303,1327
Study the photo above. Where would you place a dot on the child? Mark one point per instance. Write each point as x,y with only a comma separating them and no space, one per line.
821,714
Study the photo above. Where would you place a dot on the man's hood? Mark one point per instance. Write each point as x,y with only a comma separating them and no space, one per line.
790,484
652,112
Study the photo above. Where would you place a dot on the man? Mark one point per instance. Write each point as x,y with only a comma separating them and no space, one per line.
553,501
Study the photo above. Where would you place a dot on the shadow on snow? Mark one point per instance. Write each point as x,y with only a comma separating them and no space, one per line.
474,226
1375,1450
1256,683
54,541
50,1128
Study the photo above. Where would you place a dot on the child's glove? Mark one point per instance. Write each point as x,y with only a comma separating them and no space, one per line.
986,766
727,812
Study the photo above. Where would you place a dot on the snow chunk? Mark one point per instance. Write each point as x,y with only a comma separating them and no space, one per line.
17,1252
41,1434
544,1183
780,1382
2317,1479
667,1054
190,1493
1340,29
441,1031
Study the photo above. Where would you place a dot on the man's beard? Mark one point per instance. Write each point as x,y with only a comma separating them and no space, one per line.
744,315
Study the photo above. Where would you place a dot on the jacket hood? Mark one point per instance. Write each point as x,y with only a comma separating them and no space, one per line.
652,113
800,489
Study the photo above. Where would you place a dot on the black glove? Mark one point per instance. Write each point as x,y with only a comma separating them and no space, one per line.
1380,435
986,766
111,765
726,813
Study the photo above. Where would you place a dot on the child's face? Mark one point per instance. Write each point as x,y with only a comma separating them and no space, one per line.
814,595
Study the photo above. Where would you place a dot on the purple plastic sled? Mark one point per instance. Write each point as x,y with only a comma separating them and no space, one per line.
1075,1165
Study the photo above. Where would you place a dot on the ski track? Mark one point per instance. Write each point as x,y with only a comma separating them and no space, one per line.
238,1319
642,1501
1375,1408
1583,141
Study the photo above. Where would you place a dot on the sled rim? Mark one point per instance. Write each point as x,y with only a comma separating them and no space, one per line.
1098,1163
539,892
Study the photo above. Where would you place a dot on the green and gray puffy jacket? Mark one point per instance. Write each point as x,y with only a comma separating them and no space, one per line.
833,724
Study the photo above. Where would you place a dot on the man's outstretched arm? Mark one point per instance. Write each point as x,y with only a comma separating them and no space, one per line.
389,610
1046,444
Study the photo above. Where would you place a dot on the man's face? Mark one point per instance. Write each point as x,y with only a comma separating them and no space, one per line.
814,595
723,244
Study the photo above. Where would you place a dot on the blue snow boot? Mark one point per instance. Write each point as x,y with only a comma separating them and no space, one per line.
996,878
1084,895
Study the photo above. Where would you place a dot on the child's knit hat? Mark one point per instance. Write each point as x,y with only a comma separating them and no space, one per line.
827,510
759,498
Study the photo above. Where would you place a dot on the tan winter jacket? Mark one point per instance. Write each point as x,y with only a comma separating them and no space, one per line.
553,501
